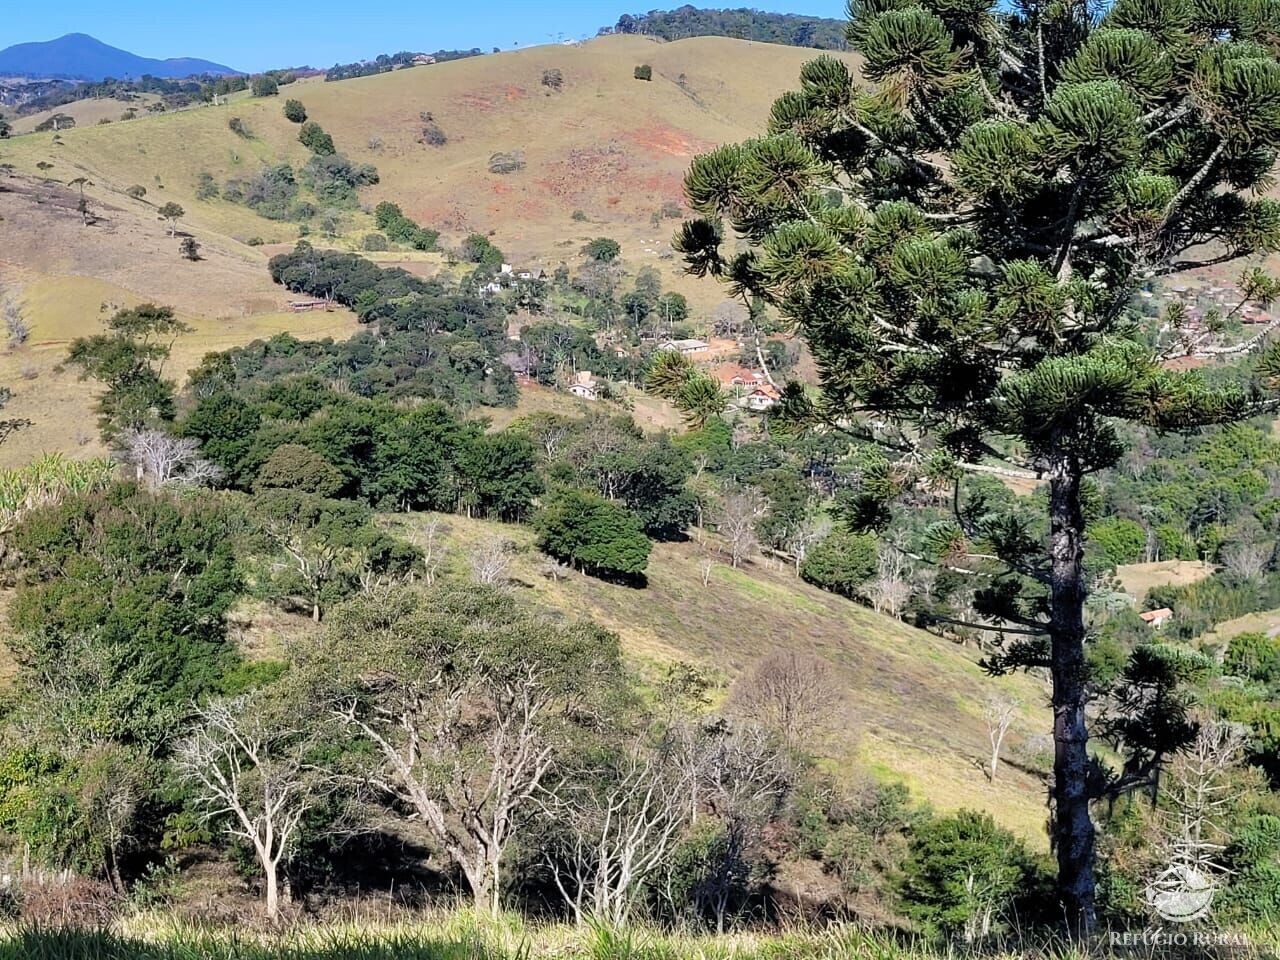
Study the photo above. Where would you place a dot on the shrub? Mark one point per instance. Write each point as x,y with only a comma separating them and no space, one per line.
294,111
238,127
1253,655
963,874
603,249
841,562
314,138
552,78
506,162
206,189
432,135
137,191
373,243
579,216
644,72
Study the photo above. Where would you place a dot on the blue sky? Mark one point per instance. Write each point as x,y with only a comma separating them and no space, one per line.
274,33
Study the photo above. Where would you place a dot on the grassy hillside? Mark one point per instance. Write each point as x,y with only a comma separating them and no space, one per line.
606,144
913,701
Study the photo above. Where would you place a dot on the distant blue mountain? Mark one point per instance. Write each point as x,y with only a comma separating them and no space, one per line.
78,56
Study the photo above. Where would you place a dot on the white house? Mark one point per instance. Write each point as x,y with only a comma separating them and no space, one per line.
684,346
584,385
760,399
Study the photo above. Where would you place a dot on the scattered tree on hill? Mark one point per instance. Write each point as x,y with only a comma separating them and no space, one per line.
841,562
587,531
190,248
643,72
553,79
82,206
294,111
172,213
5,129
265,85
136,192
736,514
129,360
477,248
959,246
999,711
314,138
602,249
792,693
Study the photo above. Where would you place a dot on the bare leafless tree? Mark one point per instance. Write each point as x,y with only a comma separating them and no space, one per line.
490,559
808,532
250,774
794,694
1198,795
706,568
736,515
434,547
160,459
999,710
891,588
623,824
466,756
1246,559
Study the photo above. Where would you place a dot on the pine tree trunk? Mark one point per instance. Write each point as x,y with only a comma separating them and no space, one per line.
1073,833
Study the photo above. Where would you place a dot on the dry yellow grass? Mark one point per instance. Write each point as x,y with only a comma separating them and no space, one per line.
85,112
1138,578
607,145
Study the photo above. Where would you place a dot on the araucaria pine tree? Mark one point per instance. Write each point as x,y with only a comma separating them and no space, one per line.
959,235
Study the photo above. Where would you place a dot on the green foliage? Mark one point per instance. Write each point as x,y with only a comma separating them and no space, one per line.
335,180
700,400
265,85
1255,656
1122,541
602,249
841,562
294,111
477,248
964,875
292,466
270,192
400,229
122,599
643,72
588,531
741,24
313,137
128,361
206,189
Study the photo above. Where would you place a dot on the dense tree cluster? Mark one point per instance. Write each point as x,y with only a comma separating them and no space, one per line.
741,24
385,63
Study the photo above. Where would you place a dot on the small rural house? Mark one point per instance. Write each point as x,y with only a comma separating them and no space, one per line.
684,346
735,377
423,59
1155,619
305,306
760,399
584,385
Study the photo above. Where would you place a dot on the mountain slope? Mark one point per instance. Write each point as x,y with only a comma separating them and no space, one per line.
78,56
912,708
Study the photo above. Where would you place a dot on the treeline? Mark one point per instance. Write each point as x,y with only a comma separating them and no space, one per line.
385,63
743,24
174,92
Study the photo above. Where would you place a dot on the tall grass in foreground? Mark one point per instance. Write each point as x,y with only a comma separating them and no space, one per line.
464,937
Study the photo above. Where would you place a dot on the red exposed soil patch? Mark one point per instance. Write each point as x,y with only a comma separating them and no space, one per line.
659,138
